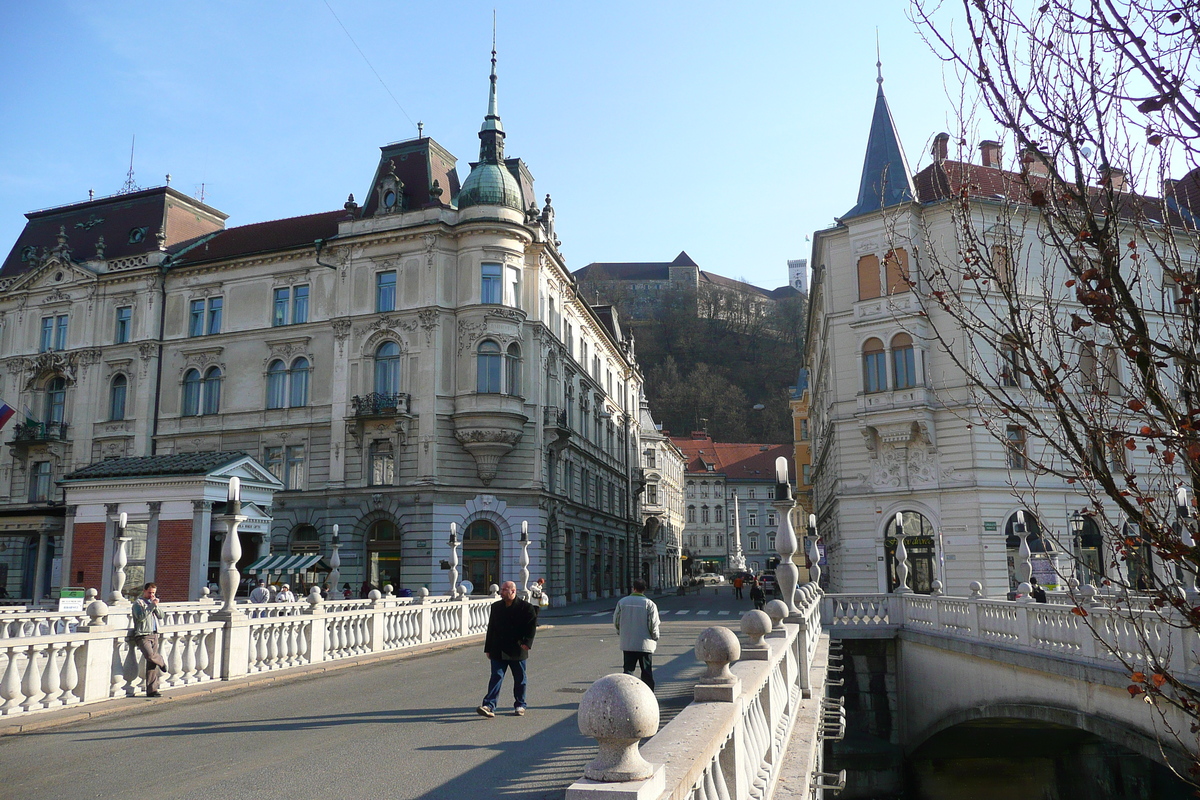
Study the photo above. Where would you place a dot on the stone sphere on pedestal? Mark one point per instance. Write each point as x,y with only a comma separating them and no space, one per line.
718,647
976,590
374,594
422,593
756,624
97,610
618,711
776,610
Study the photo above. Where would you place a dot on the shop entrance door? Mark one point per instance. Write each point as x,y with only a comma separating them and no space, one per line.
481,555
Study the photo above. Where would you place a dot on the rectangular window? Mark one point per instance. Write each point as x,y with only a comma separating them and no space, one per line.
281,306
803,429
385,291
771,519
876,371
196,319
707,540
570,340
905,365
650,459
383,463
751,518
552,319
512,287
47,340
1010,375
490,290
806,472
652,494
754,543
294,468
138,534
124,319
299,305
1015,436
60,333
273,461
751,495
39,482
215,305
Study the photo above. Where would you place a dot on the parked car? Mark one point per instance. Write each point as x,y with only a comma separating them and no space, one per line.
709,579
767,581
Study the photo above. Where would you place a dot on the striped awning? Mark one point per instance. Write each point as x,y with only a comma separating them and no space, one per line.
289,563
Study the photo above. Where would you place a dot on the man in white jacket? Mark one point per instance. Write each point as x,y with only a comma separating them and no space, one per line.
636,617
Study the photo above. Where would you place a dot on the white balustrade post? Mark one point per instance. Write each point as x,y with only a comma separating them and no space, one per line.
235,658
901,557
524,560
376,620
316,637
97,659
786,574
120,559
973,601
618,711
814,553
424,616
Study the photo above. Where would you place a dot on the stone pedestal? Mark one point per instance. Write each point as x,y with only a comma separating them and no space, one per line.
649,789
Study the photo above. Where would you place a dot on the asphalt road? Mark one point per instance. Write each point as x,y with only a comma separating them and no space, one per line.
400,729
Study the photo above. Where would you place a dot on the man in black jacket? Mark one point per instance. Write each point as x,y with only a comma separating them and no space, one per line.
510,632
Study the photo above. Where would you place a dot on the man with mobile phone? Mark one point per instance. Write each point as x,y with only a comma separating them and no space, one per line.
146,618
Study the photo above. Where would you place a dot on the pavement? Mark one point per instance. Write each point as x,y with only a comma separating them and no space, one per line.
400,725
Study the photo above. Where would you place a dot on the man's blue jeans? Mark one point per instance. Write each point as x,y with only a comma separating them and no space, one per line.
497,679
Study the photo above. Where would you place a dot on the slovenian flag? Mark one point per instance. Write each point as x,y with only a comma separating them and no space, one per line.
6,413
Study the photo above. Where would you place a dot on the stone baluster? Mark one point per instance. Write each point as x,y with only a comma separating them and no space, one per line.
787,575
1024,560
755,625
231,547
70,674
453,559
10,684
814,553
51,679
618,711
718,647
524,560
335,563
120,559
902,567
31,685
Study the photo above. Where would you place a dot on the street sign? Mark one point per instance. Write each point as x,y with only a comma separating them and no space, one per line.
70,599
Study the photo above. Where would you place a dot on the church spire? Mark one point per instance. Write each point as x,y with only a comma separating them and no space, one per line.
886,179
491,133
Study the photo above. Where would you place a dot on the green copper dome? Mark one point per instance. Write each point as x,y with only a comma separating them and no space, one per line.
490,185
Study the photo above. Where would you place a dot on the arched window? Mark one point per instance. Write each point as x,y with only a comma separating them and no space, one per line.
305,539
212,390
276,384
387,368
116,397
191,393
383,554
919,540
1089,553
299,383
512,370
488,368
874,366
904,363
56,400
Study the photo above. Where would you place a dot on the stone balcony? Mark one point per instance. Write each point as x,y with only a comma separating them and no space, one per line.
488,426
27,434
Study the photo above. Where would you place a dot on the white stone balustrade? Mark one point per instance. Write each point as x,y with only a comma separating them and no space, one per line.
727,749
49,660
1115,635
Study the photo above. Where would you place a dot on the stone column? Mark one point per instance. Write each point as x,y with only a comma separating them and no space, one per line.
39,569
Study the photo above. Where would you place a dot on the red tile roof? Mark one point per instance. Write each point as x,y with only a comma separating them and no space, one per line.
735,460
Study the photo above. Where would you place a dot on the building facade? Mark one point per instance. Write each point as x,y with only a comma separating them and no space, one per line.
661,505
896,427
417,360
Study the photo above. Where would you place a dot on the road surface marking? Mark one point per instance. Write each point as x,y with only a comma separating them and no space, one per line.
683,611
722,613
705,611
601,614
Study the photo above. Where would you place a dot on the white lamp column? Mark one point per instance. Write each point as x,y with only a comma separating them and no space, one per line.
902,568
335,563
120,559
787,575
453,559
524,562
231,548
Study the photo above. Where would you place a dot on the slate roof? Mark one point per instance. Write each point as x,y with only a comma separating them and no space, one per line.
886,179
155,466
735,460
259,237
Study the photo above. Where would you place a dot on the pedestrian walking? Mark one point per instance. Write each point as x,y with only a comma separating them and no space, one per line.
511,628
636,617
144,636
737,587
757,595
284,595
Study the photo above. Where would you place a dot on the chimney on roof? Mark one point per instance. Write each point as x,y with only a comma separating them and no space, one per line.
1111,177
941,145
990,151
699,434
1033,162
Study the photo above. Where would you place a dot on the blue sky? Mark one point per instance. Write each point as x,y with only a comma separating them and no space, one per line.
728,131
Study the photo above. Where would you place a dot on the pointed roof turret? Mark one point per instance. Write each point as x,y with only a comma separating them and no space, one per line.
490,182
886,179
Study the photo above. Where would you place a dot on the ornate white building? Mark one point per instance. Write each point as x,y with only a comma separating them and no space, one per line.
418,359
661,505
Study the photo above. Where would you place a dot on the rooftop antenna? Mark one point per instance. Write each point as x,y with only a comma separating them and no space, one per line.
201,193
420,130
130,186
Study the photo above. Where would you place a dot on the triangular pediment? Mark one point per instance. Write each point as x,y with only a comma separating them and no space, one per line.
248,469
55,274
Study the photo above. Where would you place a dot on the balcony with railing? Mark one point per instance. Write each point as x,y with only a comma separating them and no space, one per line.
378,404
27,433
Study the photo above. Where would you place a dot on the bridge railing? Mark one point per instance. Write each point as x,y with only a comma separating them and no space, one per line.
729,743
1089,630
50,660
